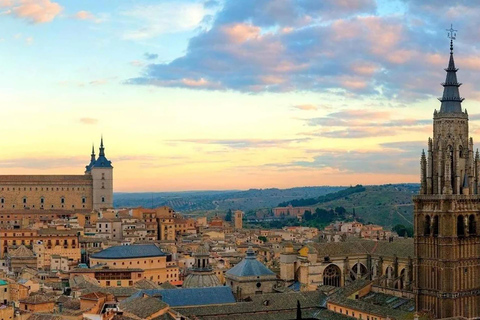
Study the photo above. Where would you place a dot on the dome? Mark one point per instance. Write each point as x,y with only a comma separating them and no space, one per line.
201,280
201,251
250,267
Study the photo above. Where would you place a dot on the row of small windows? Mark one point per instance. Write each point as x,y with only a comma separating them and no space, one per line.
42,189
42,200
431,227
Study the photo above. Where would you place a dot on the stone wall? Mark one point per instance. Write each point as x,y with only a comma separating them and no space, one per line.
46,192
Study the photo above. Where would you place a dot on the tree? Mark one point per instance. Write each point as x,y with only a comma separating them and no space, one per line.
307,215
262,238
228,217
403,231
340,211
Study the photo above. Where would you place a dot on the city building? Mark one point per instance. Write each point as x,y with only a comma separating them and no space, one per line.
291,211
201,275
250,277
238,219
92,190
156,265
447,211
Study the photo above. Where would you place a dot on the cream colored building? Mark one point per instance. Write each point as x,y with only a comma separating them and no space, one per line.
92,190
157,265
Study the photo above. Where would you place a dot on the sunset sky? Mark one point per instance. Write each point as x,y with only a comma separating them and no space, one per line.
231,94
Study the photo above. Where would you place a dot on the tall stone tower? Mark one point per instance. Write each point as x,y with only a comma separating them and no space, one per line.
101,171
238,216
447,242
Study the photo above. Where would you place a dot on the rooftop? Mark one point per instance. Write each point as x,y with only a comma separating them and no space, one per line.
143,306
191,296
129,252
249,267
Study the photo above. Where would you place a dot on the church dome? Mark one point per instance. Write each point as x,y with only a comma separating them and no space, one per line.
201,275
250,267
201,280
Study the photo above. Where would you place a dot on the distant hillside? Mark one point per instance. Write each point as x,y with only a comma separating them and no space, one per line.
220,200
386,205
323,199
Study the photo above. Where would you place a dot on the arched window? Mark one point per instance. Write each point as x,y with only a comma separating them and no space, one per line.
356,269
103,199
24,200
427,226
62,200
389,272
42,200
472,225
332,276
400,284
460,226
435,226
460,151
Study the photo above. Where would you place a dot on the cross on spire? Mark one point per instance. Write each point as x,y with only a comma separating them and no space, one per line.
452,34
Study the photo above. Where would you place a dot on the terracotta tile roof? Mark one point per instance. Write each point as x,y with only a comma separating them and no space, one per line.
143,307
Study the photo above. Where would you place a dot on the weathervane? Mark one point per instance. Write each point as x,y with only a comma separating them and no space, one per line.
452,34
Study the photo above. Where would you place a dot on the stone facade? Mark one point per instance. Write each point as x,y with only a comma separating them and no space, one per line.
238,219
93,190
447,243
388,264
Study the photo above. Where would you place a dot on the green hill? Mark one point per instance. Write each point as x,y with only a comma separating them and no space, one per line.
386,205
219,201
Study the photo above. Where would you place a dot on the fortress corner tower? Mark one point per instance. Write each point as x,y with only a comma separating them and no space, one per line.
447,242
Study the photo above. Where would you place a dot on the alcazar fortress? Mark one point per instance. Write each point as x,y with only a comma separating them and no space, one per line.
91,191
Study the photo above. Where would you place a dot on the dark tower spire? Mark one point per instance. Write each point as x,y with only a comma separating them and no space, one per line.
451,100
102,149
92,160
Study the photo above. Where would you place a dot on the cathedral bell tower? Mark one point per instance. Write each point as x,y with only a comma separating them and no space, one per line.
447,244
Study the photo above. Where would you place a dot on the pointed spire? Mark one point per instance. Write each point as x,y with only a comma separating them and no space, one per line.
102,149
451,100
93,153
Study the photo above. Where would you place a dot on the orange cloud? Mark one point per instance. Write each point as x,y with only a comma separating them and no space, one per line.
364,68
84,15
35,11
88,120
400,56
306,107
354,84
241,32
195,83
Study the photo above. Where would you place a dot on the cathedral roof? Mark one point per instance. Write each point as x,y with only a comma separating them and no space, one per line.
402,248
190,296
249,267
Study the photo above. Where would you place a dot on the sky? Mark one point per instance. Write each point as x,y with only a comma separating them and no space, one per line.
230,94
